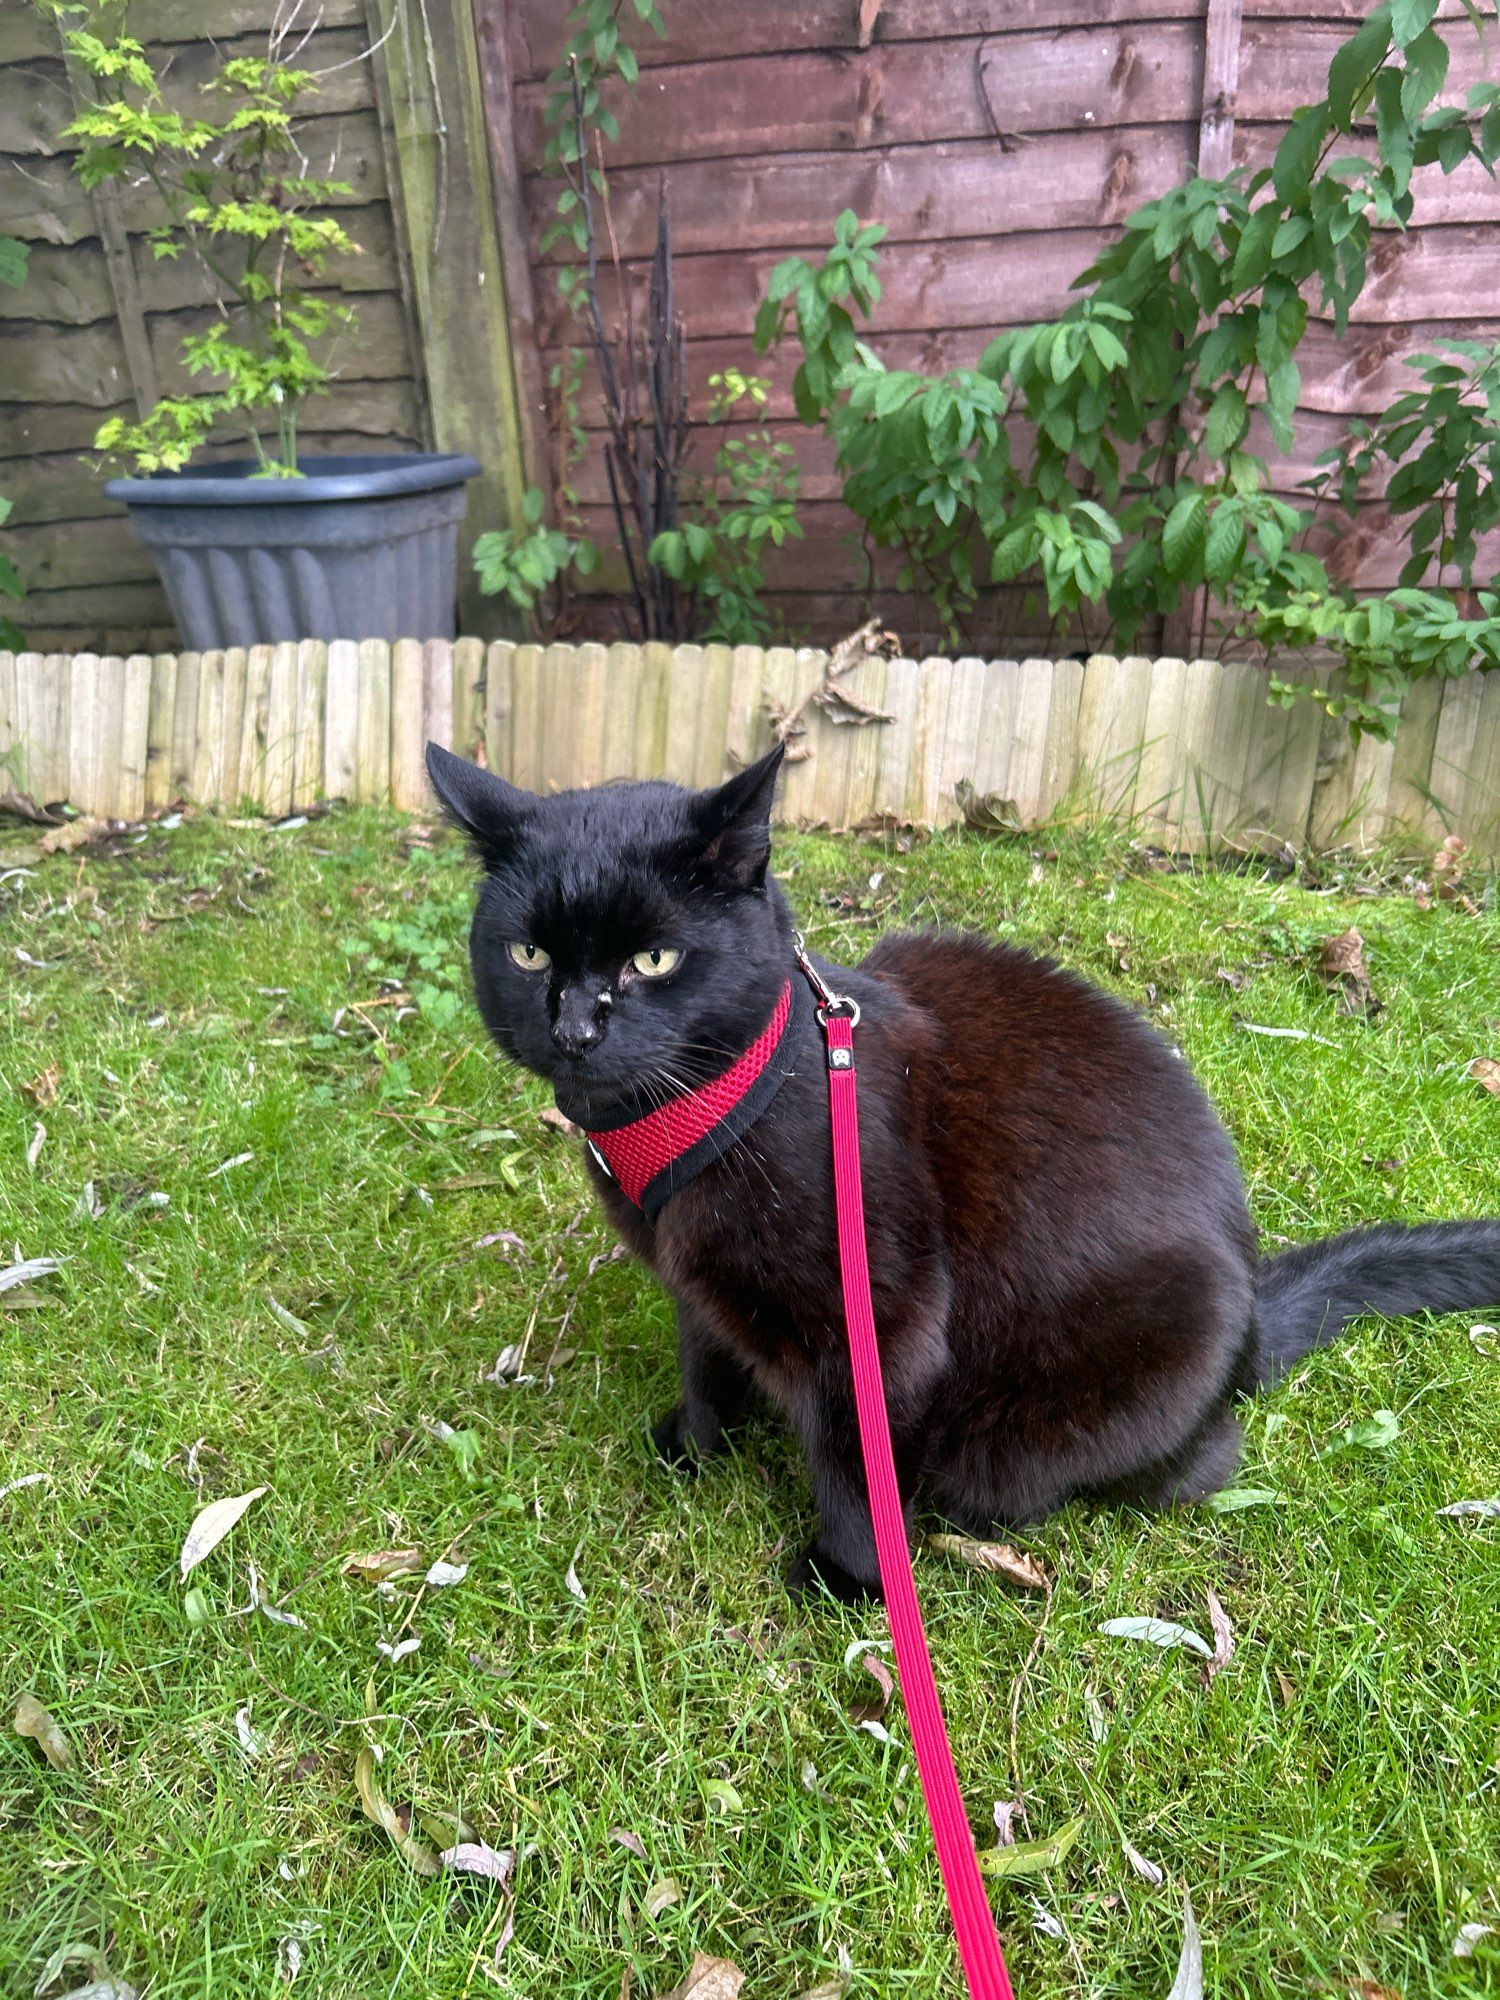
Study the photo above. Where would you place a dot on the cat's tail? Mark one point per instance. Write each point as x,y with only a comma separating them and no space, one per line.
1306,1296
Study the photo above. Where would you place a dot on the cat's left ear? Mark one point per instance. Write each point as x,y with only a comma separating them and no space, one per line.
735,821
481,805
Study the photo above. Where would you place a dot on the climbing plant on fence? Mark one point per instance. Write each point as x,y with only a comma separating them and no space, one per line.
1137,493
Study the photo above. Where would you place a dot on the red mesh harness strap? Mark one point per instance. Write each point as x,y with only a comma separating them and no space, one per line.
978,1945
650,1157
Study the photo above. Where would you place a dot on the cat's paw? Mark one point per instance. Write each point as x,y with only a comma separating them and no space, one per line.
815,1572
674,1447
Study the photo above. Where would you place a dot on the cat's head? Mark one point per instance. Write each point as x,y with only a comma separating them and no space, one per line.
628,943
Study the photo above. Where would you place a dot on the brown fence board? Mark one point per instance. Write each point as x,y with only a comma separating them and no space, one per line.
1189,752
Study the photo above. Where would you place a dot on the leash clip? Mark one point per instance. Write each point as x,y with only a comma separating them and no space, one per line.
830,1002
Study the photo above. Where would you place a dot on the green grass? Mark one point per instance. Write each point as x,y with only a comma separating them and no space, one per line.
1330,1801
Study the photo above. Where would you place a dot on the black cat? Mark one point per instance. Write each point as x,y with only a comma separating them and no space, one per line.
1066,1282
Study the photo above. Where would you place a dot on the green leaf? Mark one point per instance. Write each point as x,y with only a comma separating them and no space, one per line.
1289,234
13,260
1031,1857
1227,421
1235,1499
1297,155
1409,18
1426,72
1353,66
1226,538
1183,534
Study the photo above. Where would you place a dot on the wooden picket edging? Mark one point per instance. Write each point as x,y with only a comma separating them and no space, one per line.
1188,752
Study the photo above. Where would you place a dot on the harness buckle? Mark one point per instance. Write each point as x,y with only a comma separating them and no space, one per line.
830,1002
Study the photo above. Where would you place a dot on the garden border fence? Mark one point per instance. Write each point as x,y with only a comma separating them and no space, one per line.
1189,752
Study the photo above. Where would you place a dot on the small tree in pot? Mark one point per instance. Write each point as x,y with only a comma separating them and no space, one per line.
274,546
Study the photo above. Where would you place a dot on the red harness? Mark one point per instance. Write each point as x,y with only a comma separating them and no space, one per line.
656,1156
650,1158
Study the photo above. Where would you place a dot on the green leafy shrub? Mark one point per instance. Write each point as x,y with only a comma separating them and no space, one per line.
1137,493
238,198
749,500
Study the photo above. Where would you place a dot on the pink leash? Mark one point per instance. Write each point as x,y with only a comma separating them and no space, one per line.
978,1945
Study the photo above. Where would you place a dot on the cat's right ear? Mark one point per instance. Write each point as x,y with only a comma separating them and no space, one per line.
478,803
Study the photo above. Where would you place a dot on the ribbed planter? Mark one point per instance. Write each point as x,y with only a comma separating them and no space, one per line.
355,548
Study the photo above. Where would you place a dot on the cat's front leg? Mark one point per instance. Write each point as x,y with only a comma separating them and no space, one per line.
842,1560
717,1396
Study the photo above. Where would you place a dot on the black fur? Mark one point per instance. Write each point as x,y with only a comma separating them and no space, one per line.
1066,1282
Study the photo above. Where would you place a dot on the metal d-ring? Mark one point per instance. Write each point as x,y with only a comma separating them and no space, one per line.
832,1003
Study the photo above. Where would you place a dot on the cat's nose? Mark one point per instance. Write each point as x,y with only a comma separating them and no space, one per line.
581,1020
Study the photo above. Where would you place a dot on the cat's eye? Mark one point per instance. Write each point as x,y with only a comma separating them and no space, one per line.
530,957
658,962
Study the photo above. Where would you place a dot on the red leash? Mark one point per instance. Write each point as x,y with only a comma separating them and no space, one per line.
978,1946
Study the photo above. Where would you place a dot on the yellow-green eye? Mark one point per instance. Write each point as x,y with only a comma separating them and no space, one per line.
656,964
530,957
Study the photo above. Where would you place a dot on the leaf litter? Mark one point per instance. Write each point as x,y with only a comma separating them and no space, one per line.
997,1558
1188,1985
709,1979
212,1524
33,1721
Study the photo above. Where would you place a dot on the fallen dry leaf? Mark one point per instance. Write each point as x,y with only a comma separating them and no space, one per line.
1368,1989
1486,1070
1341,964
998,1558
1468,1936
709,1979
212,1524
1188,1985
661,1896
378,1808
77,833
1223,1632
623,1837
32,1720
1147,1870
380,1565
559,1121
881,1674
43,1089
1157,1632
831,1989
102,1984
474,1857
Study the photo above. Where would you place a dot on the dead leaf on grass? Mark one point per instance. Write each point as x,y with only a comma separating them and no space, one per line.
1223,1632
998,1558
101,1985
1341,965
1369,1989
475,1857
661,1896
623,1837
881,1674
1459,1508
1468,1936
1147,1870
1485,1071
75,834
709,1979
42,1090
559,1121
12,1275
212,1524
32,1720
1157,1632
378,1808
1188,1985
831,1989
380,1565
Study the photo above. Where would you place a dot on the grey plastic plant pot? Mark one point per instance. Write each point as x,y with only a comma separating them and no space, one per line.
356,548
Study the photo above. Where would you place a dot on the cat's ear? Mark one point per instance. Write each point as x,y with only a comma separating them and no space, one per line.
735,822
479,804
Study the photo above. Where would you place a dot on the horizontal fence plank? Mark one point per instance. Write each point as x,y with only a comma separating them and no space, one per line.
1188,753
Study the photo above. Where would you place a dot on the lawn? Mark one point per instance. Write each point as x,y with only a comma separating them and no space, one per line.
299,1226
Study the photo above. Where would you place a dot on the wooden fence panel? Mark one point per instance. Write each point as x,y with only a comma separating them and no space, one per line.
1189,753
